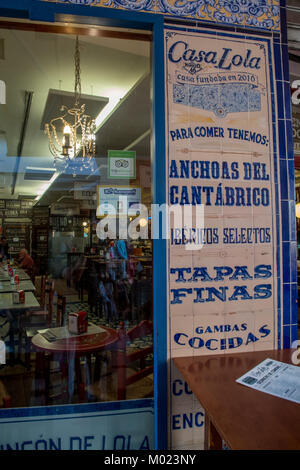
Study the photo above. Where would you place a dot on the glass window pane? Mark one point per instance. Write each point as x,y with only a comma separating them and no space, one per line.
75,197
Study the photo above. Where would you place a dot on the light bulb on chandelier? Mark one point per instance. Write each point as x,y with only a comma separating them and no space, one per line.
72,134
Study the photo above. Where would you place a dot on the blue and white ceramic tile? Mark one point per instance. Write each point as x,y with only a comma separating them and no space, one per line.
262,14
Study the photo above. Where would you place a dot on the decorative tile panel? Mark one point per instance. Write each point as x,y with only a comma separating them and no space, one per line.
232,280
221,99
262,14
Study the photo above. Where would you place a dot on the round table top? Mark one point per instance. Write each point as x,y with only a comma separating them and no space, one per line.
81,344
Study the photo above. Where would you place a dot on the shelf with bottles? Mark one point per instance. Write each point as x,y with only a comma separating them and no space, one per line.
141,248
40,235
14,208
18,237
40,242
67,223
40,216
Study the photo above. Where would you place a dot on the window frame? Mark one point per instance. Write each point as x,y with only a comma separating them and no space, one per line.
48,12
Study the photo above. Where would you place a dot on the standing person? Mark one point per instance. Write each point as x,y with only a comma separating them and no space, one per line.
122,252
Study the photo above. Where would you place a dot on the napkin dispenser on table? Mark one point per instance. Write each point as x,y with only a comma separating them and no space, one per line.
18,297
78,322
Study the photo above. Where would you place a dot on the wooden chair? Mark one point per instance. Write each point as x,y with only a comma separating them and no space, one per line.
5,399
125,359
37,319
44,316
31,273
61,310
40,288
141,293
52,364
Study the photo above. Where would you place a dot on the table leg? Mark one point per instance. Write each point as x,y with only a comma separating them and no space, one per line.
212,439
27,352
42,377
97,368
47,360
88,374
64,377
11,341
37,374
71,375
12,355
79,381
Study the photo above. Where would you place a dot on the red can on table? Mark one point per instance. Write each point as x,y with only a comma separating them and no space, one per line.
17,280
22,296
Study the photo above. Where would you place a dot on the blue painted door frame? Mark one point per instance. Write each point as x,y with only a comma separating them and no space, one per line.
50,12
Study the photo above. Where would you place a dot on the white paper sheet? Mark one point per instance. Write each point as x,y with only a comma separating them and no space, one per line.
276,378
54,334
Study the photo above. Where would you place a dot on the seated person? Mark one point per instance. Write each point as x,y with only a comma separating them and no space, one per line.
25,261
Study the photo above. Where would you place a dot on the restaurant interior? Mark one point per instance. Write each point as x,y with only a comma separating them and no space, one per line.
75,306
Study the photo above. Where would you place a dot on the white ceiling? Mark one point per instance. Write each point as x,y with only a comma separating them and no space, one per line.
38,62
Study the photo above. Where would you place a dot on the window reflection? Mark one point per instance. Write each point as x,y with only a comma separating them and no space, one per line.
75,309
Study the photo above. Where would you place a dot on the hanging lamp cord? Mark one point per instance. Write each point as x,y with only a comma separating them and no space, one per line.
77,89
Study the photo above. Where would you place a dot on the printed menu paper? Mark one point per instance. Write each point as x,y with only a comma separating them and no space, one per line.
276,378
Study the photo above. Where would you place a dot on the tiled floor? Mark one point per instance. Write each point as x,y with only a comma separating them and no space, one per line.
21,384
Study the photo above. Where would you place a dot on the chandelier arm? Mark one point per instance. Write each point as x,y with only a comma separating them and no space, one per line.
54,149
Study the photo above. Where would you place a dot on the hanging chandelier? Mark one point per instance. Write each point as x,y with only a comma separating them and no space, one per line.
72,134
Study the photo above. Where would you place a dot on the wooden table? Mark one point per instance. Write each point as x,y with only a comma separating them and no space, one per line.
23,276
68,351
244,418
26,286
80,344
14,313
6,302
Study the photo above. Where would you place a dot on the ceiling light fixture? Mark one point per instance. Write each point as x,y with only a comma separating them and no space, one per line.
73,133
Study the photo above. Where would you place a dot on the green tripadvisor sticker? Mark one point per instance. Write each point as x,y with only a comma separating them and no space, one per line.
121,164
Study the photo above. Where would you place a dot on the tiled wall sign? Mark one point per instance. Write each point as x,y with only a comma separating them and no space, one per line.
224,275
126,425
263,14
296,132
